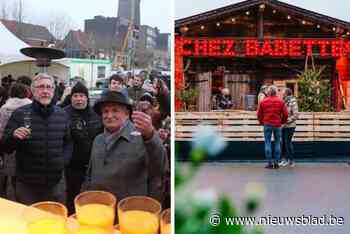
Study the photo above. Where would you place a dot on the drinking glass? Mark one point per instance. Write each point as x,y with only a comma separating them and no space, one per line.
140,106
55,208
139,215
95,210
49,218
27,120
165,222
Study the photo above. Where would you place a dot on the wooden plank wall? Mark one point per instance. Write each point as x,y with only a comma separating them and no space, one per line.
243,125
203,81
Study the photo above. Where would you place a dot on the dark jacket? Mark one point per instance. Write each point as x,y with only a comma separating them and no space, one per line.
42,157
136,93
273,112
85,125
126,165
223,102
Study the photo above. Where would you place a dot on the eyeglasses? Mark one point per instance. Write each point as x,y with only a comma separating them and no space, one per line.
42,87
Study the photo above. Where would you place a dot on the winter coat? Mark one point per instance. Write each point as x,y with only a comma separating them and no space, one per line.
85,125
293,112
135,94
40,159
272,111
223,102
126,165
5,113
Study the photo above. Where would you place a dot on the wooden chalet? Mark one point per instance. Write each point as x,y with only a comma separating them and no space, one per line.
255,42
261,42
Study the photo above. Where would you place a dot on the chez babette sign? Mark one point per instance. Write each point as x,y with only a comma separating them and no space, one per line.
227,47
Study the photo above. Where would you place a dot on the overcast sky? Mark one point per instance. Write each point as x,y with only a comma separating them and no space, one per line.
336,8
37,11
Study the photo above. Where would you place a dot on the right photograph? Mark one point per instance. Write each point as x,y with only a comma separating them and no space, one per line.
262,116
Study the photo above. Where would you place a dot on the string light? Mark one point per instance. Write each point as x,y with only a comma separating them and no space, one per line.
262,6
233,20
303,22
348,33
202,27
318,26
275,48
334,28
274,11
288,17
184,29
247,13
218,24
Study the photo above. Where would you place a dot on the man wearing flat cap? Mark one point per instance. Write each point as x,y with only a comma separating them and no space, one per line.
123,163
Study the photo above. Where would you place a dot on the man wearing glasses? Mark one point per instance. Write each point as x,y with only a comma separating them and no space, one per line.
39,132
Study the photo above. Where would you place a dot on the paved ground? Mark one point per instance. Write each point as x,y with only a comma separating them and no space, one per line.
308,189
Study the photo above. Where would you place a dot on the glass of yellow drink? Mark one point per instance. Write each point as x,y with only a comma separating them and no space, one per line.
165,222
55,208
50,218
96,210
139,215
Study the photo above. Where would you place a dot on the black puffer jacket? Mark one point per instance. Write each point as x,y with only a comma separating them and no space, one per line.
42,157
85,125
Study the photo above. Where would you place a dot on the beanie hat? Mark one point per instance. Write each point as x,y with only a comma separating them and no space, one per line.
80,88
147,97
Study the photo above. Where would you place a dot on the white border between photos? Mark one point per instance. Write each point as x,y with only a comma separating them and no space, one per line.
172,145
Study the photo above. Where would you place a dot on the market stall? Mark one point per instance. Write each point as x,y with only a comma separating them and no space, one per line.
254,43
245,46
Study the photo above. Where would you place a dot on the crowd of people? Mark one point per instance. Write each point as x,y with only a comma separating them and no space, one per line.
278,117
56,144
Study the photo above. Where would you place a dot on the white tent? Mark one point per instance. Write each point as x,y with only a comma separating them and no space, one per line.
10,46
13,62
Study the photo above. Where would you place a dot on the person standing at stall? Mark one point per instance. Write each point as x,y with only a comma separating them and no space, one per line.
288,129
272,113
262,94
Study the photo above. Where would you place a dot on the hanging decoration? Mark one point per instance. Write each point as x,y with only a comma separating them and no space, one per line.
179,70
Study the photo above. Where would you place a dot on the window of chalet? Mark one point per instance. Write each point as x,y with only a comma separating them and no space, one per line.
101,72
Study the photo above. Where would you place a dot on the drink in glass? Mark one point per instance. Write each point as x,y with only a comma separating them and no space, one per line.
50,219
139,215
95,210
165,222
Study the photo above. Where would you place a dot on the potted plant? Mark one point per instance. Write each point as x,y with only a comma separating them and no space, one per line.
188,97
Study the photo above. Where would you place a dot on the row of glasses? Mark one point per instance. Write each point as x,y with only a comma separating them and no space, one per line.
95,215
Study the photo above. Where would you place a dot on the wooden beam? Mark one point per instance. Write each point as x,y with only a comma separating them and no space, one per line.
260,24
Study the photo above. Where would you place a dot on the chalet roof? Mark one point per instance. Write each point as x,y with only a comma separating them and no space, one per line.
28,32
278,5
81,37
78,36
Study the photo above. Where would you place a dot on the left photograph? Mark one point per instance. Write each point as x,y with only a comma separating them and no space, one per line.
85,120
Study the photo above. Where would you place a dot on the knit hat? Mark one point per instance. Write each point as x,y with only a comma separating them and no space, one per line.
80,88
147,97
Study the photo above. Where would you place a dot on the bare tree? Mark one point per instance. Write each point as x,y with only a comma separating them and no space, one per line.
17,14
59,24
91,44
143,57
4,10
17,11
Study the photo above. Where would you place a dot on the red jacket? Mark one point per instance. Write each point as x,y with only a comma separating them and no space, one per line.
272,111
